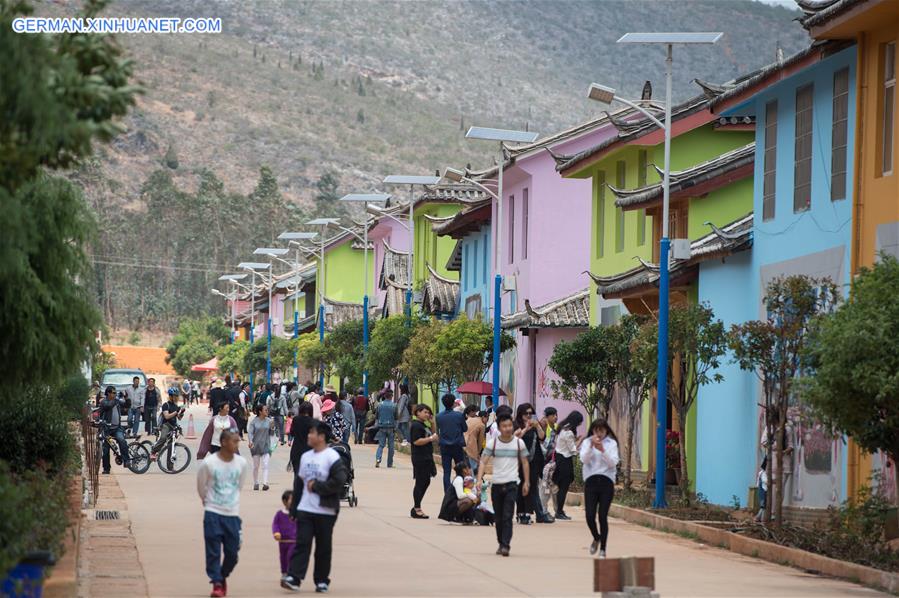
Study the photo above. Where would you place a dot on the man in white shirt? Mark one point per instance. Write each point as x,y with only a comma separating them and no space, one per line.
507,452
219,480
321,476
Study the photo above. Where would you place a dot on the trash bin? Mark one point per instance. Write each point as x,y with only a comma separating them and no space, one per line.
26,580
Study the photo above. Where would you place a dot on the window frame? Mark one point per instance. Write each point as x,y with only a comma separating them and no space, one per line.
888,110
839,167
525,207
769,167
802,188
511,228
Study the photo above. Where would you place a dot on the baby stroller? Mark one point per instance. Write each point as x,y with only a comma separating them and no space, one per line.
349,491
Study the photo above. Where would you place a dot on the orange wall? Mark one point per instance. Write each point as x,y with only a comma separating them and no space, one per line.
877,199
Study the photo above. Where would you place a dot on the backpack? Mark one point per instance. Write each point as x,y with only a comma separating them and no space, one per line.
360,403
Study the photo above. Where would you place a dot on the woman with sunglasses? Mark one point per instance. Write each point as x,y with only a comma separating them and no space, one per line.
528,428
599,455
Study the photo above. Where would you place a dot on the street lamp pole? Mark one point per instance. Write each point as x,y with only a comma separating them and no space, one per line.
503,136
254,267
667,39
232,297
294,238
323,222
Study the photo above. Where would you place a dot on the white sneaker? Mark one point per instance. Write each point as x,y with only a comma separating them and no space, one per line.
404,443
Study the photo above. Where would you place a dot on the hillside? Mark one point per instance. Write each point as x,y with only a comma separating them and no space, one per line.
427,69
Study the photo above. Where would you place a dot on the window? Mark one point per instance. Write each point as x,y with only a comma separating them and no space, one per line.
486,257
524,224
511,229
840,132
770,161
641,182
802,159
621,183
600,193
466,257
474,262
889,100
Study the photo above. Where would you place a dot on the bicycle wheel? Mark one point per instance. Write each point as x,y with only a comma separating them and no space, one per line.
174,458
140,458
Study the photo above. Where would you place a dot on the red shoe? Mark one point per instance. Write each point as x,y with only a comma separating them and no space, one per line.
218,590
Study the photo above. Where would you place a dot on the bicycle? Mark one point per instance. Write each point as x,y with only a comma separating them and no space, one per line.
174,457
139,456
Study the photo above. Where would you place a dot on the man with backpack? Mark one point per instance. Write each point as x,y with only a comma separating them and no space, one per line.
277,408
360,410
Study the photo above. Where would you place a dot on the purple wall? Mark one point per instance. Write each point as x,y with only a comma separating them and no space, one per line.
397,237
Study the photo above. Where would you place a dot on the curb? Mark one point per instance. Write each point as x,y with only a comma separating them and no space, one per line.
63,578
774,553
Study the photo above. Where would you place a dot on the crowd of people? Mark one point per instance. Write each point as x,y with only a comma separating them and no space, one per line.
499,466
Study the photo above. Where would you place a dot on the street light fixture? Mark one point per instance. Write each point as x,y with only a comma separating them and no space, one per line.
273,253
323,223
607,95
411,180
364,198
503,136
254,267
295,238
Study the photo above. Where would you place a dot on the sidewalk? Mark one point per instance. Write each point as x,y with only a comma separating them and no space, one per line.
380,551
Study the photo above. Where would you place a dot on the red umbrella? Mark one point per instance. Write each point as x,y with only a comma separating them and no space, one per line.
478,388
209,366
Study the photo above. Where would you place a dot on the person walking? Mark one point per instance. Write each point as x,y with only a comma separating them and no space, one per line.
423,467
452,427
565,451
135,395
277,410
242,416
508,455
284,531
404,414
299,429
345,408
260,432
151,404
528,428
599,456
111,408
171,413
386,422
316,503
360,412
220,479
211,440
475,437
336,423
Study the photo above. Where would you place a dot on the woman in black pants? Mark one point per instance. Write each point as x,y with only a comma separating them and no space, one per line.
599,455
566,449
527,427
423,467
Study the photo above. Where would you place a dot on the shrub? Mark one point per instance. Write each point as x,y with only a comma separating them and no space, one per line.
34,428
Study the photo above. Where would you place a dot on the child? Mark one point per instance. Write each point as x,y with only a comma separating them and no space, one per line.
285,531
259,433
468,485
762,479
219,480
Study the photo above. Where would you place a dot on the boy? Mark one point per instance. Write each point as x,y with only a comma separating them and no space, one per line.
506,451
219,480
316,501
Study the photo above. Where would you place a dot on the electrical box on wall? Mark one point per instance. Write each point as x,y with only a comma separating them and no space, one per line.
509,283
680,249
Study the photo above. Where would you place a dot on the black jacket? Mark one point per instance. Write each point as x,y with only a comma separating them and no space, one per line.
299,429
329,490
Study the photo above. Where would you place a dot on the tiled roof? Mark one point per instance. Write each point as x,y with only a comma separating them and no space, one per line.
306,324
440,294
732,238
394,300
338,312
818,12
466,220
569,312
454,263
684,180
395,267
451,192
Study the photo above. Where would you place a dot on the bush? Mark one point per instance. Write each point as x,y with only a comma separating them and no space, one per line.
34,428
72,394
33,514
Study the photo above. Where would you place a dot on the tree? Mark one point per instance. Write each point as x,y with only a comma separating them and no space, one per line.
344,345
587,371
385,349
633,381
466,349
422,362
197,341
268,204
58,95
696,343
773,349
852,383
326,196
231,357
360,117
313,354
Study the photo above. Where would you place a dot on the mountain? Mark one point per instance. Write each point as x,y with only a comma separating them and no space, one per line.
395,84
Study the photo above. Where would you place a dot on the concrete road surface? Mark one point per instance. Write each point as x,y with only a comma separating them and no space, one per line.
380,551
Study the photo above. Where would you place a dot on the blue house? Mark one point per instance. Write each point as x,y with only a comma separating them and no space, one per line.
471,258
804,108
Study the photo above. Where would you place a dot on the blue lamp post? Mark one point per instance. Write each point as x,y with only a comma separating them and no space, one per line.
256,267
323,223
294,238
606,95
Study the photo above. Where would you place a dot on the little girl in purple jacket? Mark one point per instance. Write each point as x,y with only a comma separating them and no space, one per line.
285,531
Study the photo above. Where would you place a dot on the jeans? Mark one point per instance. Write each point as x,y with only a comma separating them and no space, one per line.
451,454
503,497
134,420
313,527
164,432
359,430
473,463
404,429
385,435
279,426
119,435
531,503
150,419
598,493
220,531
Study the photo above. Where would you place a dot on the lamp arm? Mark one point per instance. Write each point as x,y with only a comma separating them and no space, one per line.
481,187
639,108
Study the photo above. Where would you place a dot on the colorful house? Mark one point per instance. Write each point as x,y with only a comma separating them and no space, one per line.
710,202
802,199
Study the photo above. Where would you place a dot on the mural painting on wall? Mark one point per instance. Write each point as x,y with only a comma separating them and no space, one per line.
883,475
507,363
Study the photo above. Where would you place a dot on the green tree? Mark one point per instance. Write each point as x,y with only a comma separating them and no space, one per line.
632,380
197,341
586,369
466,349
231,357
422,362
853,378
385,349
326,196
314,354
344,345
696,344
58,94
268,204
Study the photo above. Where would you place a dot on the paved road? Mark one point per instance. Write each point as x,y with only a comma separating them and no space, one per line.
381,551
